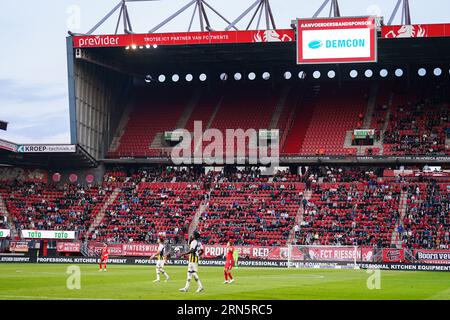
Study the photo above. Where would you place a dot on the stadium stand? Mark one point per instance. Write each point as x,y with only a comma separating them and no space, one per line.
335,111
427,221
39,206
311,122
344,206
350,214
418,123
250,213
152,114
144,210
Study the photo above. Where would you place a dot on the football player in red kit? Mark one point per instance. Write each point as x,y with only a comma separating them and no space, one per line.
104,257
229,263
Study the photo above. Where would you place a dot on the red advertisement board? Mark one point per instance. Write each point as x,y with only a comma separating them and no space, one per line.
184,38
416,31
432,256
330,253
132,250
393,255
336,40
18,246
68,247
139,249
298,253
6,145
251,252
322,253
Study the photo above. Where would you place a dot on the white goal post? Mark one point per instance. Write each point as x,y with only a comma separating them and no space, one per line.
320,256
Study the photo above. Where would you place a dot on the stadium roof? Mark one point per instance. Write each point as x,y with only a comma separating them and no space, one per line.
275,57
47,156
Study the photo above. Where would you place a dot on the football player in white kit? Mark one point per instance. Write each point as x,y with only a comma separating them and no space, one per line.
162,257
195,251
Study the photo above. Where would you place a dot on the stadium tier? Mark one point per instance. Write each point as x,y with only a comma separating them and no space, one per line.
426,222
351,214
312,119
38,206
250,213
323,206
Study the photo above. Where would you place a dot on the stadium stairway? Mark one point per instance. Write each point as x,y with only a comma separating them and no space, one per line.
281,105
203,206
373,91
202,107
299,123
191,105
396,241
386,122
298,218
121,128
101,214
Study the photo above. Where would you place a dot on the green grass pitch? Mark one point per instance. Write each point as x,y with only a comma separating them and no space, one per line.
44,281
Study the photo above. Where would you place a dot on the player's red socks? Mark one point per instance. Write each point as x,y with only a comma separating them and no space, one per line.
230,276
226,275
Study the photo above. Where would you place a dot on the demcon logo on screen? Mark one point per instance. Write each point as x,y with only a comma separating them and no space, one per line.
336,40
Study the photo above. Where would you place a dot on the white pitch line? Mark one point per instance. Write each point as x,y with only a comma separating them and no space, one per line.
47,298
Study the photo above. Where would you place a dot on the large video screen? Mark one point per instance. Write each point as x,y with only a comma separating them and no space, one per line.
336,40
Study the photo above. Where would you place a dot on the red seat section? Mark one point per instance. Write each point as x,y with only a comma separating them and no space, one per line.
344,206
336,111
419,122
152,114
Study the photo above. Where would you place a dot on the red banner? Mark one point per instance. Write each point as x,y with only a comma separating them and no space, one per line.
183,38
6,145
132,250
432,256
318,253
249,252
416,31
331,253
68,247
139,249
298,253
393,255
18,246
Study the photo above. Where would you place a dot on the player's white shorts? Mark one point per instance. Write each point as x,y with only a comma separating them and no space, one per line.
192,267
160,264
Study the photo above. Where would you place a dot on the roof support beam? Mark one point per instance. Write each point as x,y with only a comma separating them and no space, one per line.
202,16
406,15
262,7
334,9
123,16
